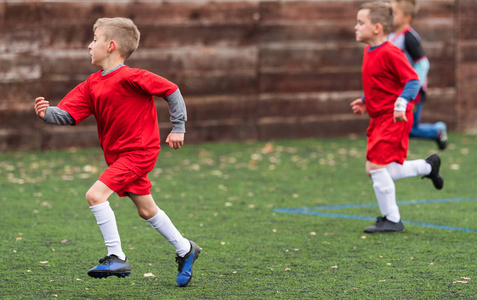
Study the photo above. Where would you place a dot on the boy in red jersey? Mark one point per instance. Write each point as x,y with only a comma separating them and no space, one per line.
122,101
390,84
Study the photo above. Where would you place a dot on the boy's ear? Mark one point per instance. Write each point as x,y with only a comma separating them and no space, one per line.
378,28
111,46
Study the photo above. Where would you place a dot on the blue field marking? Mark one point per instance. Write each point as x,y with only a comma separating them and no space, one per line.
315,210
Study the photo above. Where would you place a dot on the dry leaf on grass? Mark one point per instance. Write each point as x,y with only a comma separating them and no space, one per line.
460,281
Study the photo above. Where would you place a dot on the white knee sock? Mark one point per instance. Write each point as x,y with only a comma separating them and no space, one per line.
107,223
164,226
409,169
385,191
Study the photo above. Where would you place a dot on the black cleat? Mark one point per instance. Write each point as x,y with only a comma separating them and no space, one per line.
185,263
435,161
109,266
383,225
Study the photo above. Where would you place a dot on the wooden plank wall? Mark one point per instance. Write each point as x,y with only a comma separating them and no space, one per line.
466,70
248,70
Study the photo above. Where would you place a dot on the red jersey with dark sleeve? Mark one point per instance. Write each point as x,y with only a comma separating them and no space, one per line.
385,72
123,105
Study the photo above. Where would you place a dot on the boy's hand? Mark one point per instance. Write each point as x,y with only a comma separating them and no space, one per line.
175,140
40,107
358,106
400,116
400,110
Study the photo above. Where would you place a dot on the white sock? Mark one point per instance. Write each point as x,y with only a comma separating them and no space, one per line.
410,168
164,226
385,191
107,223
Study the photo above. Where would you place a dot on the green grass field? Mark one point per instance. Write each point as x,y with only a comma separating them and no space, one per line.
224,197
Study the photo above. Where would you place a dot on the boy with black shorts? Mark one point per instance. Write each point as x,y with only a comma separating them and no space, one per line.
390,85
122,101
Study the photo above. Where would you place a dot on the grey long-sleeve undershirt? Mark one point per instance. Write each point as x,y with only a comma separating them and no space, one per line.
177,110
57,116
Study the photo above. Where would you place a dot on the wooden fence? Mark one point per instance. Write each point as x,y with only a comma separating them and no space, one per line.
249,70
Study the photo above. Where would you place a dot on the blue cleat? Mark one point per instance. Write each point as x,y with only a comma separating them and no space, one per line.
109,266
185,265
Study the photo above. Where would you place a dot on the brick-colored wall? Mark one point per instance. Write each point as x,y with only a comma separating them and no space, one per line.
247,69
466,65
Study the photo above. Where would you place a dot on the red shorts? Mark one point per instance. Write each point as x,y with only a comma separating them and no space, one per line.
388,141
122,178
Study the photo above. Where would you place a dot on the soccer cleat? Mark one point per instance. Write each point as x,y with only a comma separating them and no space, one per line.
442,140
109,266
442,135
435,161
185,263
383,225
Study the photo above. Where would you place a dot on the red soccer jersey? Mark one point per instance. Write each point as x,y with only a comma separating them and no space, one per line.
385,72
123,105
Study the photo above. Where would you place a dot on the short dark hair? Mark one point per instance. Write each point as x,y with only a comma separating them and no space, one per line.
380,12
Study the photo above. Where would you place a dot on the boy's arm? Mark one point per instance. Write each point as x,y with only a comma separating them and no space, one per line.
413,46
57,116
178,112
52,114
422,69
411,88
409,93
420,61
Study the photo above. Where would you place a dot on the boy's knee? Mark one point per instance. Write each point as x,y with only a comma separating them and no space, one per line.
98,193
94,198
373,167
368,171
146,214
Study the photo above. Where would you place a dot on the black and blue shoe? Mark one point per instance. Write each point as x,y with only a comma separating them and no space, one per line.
109,266
185,265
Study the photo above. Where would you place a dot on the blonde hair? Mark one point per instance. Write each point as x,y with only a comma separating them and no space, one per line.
123,30
380,12
409,7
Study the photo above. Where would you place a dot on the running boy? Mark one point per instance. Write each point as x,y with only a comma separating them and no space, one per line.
122,101
390,85
407,39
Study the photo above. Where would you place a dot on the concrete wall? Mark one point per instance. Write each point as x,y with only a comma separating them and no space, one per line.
248,69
